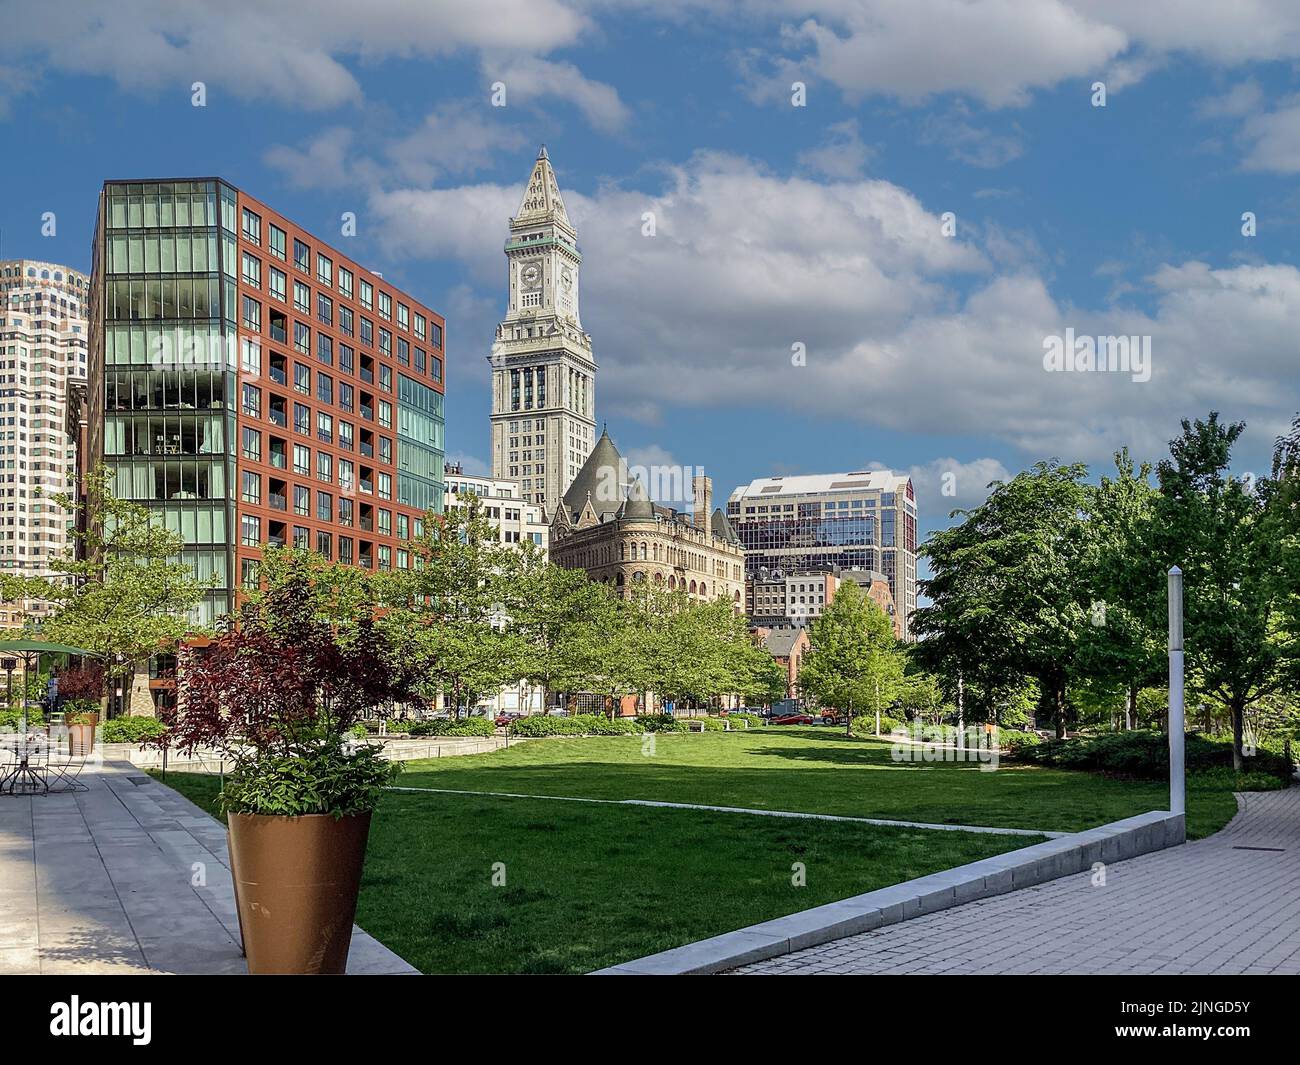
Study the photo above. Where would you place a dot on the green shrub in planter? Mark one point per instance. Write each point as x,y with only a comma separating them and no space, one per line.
441,726
131,729
866,725
741,719
712,724
325,778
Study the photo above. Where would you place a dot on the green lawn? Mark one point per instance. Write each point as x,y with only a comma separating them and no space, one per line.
589,885
813,770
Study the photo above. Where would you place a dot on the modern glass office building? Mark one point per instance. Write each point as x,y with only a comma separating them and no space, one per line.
864,520
244,383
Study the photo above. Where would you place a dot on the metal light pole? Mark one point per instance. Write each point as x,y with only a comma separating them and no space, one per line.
1177,730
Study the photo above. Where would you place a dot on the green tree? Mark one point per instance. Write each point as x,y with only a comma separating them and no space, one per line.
1123,645
853,661
120,590
1223,535
1008,586
445,624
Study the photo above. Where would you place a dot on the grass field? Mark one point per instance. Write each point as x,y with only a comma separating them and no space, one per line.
813,770
589,885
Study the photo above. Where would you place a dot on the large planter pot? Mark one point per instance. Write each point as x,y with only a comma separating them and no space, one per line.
81,740
296,882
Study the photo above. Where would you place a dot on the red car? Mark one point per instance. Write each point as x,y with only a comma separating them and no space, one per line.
792,719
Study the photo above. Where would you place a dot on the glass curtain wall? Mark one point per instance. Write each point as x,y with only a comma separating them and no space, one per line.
169,364
421,450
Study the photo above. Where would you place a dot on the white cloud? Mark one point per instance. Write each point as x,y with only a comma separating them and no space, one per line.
1272,139
903,328
841,155
947,484
530,80
291,52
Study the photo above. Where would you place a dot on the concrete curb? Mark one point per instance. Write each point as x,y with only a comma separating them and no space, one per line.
1035,864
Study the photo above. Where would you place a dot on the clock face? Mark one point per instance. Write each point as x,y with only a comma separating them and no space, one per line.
566,277
531,274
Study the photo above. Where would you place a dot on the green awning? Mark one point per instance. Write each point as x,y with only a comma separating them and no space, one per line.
19,647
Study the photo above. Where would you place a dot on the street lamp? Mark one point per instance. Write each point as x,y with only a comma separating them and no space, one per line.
1177,777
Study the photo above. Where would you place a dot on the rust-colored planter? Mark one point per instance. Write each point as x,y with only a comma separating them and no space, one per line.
81,740
296,882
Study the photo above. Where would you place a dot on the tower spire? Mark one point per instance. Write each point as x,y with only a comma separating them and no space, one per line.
542,201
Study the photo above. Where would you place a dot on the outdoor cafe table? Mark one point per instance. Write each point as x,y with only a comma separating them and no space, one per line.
31,754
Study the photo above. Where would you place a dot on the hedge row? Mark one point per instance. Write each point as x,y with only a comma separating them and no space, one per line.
1145,753
130,729
577,725
445,726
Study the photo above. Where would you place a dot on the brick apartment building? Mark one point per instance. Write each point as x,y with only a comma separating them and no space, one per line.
253,385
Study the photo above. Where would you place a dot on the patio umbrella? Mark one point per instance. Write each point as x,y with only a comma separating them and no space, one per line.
31,650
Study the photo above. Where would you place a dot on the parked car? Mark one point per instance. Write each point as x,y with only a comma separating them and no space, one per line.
504,718
833,717
793,719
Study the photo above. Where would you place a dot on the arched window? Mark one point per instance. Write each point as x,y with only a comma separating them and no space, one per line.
672,583
692,587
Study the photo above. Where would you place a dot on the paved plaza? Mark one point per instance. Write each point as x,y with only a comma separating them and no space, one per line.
1227,904
127,877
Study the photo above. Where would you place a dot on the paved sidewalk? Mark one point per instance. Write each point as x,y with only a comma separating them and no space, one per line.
1226,904
128,877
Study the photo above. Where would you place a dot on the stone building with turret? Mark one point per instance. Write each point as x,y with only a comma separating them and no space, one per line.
607,525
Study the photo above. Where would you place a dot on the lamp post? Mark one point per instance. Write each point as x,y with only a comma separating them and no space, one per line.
1177,730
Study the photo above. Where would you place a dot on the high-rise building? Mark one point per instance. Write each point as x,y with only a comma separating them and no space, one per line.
42,356
252,385
865,520
543,371
798,597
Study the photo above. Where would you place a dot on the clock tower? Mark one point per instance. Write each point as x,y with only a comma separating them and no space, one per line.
543,372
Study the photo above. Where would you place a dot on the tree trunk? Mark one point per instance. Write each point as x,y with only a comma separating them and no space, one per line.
848,718
961,714
1130,708
1058,709
1238,728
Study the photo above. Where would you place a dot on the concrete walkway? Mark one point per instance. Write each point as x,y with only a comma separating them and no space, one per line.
128,877
1226,904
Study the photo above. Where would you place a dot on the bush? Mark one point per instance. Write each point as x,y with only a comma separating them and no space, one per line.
1144,753
445,726
131,729
710,724
743,718
577,725
662,723
323,779
1013,740
866,725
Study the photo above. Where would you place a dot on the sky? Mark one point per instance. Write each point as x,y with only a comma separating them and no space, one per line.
870,217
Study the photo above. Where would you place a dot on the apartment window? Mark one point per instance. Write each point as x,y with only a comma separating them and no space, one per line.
419,360
325,349
403,524
385,378
345,281
347,362
345,435
346,394
345,549
252,270
385,486
301,378
386,342
301,338
252,314
324,270
385,522
367,331
403,316
385,449
250,356
346,480
324,466
250,530
301,256
252,224
345,320
324,506
277,242
385,306
435,334
325,388
435,368
324,544
301,500
302,419
324,427
251,444
385,414
324,309
302,537
302,297
248,572
404,352
279,284
301,459
367,294
252,405
419,325
250,487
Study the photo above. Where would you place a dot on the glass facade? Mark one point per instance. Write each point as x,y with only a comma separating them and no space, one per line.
169,347
421,451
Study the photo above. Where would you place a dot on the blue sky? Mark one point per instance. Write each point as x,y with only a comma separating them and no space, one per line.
776,225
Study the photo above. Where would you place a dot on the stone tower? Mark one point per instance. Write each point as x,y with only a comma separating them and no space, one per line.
543,371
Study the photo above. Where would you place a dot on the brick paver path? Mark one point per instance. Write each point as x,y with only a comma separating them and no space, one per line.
128,877
1226,904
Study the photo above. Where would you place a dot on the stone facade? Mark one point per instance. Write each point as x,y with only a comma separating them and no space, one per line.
543,370
618,536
